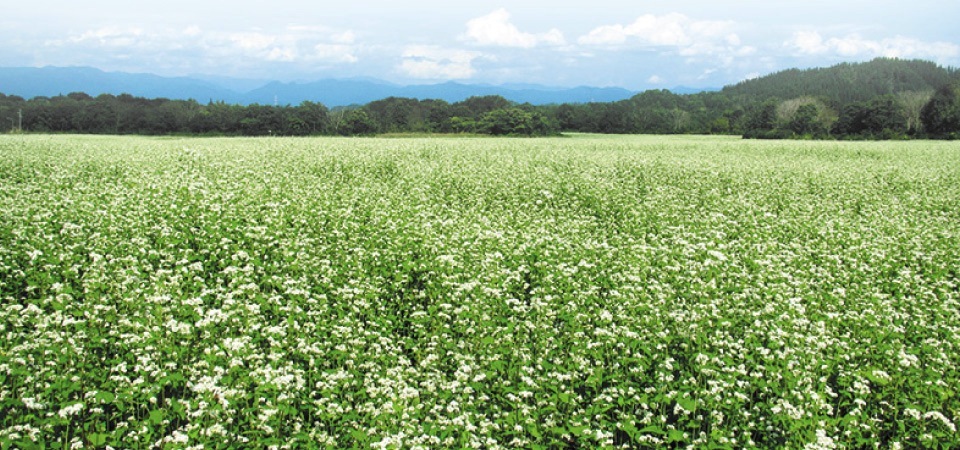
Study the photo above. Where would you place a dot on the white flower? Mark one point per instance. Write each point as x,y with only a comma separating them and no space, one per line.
71,410
32,403
907,360
881,375
943,419
912,413
178,437
447,259
824,442
717,255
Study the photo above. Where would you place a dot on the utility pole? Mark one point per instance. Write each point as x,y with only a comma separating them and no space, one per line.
19,120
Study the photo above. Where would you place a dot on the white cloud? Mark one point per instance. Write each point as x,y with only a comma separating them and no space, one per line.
252,41
854,46
671,30
281,54
252,46
309,29
495,29
347,37
655,79
809,42
107,37
674,34
295,44
605,35
335,52
196,47
436,63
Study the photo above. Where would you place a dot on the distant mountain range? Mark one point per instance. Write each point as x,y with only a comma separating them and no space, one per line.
838,85
31,82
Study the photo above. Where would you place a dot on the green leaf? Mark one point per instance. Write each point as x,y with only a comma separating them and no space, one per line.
106,397
358,435
652,429
675,436
687,403
630,429
97,439
26,444
156,416
534,431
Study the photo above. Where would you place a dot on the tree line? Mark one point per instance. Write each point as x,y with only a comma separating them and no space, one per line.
881,99
126,114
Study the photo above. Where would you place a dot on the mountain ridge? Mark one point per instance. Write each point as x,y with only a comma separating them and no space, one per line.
51,81
839,85
845,83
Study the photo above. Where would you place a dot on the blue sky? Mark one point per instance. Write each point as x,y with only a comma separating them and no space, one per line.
637,45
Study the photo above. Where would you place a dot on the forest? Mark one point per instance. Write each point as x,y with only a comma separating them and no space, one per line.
880,99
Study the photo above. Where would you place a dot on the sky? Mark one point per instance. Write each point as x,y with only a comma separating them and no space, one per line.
635,45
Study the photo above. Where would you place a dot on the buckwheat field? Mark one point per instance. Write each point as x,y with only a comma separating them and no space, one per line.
573,292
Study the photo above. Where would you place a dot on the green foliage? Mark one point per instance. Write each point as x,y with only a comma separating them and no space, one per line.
804,122
357,123
475,107
796,118
582,292
878,118
763,117
515,122
845,83
397,115
941,115
459,124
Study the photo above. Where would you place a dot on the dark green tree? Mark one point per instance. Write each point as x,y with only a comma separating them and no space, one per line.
312,117
357,123
457,124
804,121
435,114
475,107
761,120
396,114
172,116
566,116
882,117
220,118
515,122
941,115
